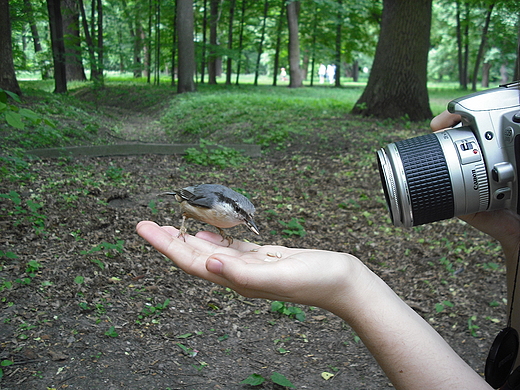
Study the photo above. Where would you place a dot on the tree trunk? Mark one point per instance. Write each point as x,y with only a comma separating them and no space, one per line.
313,45
516,74
157,62
241,38
28,9
481,47
279,29
73,56
339,25
186,46
261,44
8,79
229,68
486,66
98,75
459,44
89,42
355,71
174,42
397,84
212,60
58,46
295,73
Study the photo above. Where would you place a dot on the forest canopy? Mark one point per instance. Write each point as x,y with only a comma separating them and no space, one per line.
218,41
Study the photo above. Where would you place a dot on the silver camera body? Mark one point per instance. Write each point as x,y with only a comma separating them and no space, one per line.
461,170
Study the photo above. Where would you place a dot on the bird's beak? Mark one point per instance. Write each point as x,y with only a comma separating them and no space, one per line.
251,226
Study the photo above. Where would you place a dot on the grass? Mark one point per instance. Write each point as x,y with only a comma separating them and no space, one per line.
264,115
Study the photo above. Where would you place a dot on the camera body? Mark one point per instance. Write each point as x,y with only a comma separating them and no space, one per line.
461,170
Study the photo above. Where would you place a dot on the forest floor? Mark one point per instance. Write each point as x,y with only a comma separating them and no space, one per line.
85,303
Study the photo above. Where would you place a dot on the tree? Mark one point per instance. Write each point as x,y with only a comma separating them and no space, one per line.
186,46
397,83
73,63
295,73
229,68
8,79
261,43
481,48
213,42
279,28
58,46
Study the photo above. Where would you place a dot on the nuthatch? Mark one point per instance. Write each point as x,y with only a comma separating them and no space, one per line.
217,205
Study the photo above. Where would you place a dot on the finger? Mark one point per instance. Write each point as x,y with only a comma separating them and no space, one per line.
444,120
189,255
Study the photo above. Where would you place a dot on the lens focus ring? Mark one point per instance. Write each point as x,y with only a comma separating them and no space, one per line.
428,178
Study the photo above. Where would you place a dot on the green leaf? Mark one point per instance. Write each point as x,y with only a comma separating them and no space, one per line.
13,95
79,279
184,336
281,380
14,119
253,380
276,305
29,114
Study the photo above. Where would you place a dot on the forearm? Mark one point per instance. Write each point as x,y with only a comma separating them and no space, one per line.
412,354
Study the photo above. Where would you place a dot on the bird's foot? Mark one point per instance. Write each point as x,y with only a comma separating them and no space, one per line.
225,236
182,229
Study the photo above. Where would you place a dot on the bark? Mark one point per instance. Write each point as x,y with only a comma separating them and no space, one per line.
73,57
279,29
186,46
486,66
204,41
339,25
58,45
261,44
229,64
89,42
100,47
241,38
212,60
8,79
397,84
516,74
174,40
295,73
32,24
482,46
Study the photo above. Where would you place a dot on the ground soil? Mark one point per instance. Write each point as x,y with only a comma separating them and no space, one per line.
104,310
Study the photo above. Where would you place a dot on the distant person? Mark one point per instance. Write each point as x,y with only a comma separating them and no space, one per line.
331,73
322,72
283,74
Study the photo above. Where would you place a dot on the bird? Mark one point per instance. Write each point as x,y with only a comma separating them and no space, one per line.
216,205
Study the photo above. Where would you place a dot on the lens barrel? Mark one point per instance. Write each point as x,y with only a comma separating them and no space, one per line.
433,177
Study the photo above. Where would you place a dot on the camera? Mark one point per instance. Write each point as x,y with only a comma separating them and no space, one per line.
457,171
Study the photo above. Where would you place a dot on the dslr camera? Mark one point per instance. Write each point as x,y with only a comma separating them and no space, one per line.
461,170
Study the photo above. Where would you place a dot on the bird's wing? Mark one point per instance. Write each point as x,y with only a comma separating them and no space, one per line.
194,196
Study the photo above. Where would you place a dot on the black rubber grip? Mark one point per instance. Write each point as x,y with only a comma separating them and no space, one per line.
428,179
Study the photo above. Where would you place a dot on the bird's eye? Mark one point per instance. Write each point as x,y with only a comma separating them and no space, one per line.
237,208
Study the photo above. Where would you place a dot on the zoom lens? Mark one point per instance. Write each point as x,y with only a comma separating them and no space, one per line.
433,177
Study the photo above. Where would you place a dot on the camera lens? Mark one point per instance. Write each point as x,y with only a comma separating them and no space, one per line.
433,177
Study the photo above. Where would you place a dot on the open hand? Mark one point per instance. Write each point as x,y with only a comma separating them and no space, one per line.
311,277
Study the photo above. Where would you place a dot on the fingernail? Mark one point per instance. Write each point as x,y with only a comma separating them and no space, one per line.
214,266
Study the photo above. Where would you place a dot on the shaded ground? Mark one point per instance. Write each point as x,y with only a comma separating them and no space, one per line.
87,304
